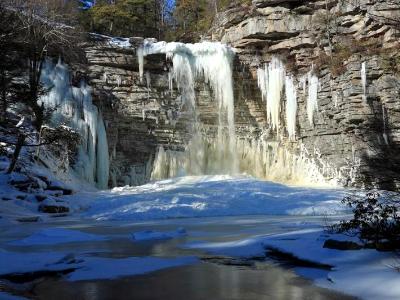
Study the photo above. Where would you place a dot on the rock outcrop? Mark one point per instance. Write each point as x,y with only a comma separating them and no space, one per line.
355,132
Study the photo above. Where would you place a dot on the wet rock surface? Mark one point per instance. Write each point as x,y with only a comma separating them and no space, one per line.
53,209
341,245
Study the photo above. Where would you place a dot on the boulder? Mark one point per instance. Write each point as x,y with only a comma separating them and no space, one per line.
341,245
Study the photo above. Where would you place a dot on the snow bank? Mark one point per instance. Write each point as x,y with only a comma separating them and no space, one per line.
204,196
52,236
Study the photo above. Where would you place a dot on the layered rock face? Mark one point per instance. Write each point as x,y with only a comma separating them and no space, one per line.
143,115
352,138
354,135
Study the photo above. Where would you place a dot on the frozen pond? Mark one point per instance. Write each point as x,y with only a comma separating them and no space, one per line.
182,273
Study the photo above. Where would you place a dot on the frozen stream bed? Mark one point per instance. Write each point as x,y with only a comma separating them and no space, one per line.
107,257
208,237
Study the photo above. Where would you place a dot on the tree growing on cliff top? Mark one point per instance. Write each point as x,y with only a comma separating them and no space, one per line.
195,17
146,18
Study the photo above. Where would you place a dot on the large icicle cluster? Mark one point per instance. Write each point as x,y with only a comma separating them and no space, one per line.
271,81
73,106
211,62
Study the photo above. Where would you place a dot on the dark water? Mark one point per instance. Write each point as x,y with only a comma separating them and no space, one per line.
197,282
205,280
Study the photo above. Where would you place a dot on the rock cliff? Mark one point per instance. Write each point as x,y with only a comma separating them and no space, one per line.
354,132
353,137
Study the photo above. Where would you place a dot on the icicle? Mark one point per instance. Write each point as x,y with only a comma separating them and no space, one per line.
291,106
276,77
303,83
312,99
119,80
385,136
262,78
364,79
140,57
270,81
148,80
148,83
170,81
103,163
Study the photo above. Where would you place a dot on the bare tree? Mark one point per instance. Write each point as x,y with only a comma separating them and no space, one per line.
7,60
30,32
20,135
40,33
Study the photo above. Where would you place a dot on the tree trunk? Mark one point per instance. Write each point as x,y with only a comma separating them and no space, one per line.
17,151
3,111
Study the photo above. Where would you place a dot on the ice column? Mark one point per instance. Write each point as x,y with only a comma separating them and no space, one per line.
276,79
291,106
73,106
364,79
385,136
312,99
271,80
140,57
262,78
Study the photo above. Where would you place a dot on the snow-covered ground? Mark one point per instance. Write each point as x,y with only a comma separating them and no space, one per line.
205,196
364,273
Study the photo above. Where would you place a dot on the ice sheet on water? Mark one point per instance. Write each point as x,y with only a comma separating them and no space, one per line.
109,268
52,236
86,267
367,273
149,235
22,262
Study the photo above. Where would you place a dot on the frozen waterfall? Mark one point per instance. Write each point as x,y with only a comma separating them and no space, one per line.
73,106
216,149
211,63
